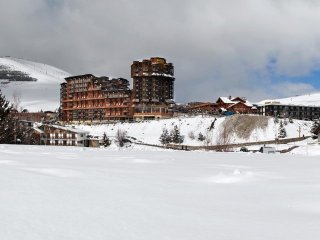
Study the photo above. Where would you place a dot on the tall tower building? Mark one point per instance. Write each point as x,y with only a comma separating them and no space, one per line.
153,88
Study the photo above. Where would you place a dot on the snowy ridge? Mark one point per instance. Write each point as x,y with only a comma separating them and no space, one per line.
312,99
42,94
42,72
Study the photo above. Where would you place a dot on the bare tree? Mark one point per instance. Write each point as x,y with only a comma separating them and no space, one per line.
208,138
17,101
121,137
191,135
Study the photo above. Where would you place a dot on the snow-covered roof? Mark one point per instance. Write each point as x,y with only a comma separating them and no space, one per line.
226,100
248,104
38,130
70,129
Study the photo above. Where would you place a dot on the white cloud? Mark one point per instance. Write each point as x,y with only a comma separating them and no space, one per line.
215,45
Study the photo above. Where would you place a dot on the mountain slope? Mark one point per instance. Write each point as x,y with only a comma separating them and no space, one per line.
36,85
312,99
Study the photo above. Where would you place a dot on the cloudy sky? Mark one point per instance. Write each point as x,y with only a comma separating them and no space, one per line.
255,48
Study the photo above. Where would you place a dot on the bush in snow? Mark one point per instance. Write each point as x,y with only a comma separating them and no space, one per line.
201,138
106,141
282,131
244,149
290,120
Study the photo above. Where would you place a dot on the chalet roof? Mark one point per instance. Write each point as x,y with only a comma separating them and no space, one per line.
70,129
38,130
79,76
247,104
234,101
226,100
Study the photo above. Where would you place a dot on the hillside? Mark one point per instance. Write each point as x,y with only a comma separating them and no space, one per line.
312,99
241,128
37,85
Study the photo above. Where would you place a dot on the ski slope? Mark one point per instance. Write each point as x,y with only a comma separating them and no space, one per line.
72,193
44,94
312,99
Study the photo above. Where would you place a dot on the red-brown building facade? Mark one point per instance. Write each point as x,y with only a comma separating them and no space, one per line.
87,98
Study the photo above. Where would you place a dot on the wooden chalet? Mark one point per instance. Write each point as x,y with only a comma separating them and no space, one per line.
61,136
235,105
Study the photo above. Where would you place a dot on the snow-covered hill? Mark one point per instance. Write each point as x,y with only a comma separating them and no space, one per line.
312,99
150,131
39,90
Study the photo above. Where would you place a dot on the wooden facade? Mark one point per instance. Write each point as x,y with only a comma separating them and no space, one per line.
236,105
87,98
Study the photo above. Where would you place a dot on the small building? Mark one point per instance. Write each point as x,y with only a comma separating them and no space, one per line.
62,136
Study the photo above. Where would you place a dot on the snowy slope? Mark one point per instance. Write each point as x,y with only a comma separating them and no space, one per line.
150,131
41,94
312,99
72,193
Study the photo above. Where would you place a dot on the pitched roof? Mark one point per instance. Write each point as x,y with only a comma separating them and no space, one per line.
226,100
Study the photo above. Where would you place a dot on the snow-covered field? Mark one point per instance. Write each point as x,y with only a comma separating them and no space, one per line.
150,131
57,193
44,94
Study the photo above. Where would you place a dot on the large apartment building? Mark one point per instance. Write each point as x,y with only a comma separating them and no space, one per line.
290,111
153,88
87,98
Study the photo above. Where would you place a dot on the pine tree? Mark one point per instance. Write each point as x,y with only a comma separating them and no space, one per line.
165,137
314,128
282,131
7,125
106,140
176,136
